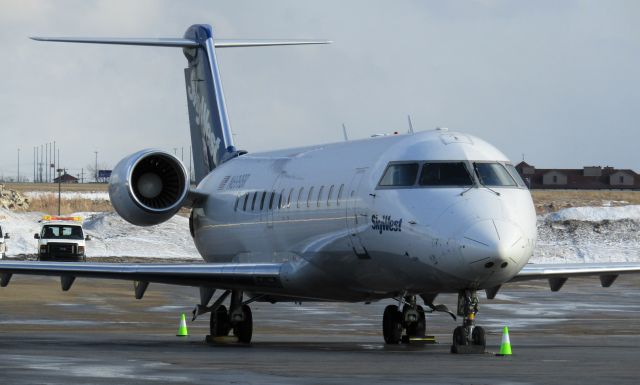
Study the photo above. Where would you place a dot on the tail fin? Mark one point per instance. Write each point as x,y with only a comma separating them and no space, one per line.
211,137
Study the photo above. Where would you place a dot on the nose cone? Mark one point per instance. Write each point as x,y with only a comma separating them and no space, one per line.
494,246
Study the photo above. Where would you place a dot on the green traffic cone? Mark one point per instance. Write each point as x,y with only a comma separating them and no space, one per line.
182,327
505,346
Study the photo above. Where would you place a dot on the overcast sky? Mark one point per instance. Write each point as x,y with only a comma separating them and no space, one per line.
557,81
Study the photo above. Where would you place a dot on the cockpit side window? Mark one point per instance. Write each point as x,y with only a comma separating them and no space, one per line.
400,174
493,174
445,174
514,173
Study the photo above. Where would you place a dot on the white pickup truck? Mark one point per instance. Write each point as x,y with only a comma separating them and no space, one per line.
3,243
61,239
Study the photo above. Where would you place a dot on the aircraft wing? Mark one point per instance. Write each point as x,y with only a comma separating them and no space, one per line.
246,276
557,274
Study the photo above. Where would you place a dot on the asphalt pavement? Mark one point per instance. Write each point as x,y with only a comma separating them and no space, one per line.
97,333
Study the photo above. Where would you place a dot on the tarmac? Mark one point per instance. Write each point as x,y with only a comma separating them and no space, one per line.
97,333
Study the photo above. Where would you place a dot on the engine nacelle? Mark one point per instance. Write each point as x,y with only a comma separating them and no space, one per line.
148,187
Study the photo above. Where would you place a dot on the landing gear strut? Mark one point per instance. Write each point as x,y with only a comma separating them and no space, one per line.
411,319
468,338
238,318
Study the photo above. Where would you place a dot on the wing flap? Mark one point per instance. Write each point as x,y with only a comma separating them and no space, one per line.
246,276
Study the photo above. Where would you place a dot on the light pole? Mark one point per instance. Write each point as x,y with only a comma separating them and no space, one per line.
60,170
18,164
96,169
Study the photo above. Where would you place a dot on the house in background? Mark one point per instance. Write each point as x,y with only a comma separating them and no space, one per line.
66,178
587,178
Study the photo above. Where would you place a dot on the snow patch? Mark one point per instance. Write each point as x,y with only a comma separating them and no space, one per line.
589,234
596,214
112,236
90,195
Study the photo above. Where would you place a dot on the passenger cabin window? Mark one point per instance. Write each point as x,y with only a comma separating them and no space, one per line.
493,174
264,194
445,174
400,174
320,196
246,198
273,194
329,196
300,197
281,200
289,198
309,197
253,202
339,195
235,207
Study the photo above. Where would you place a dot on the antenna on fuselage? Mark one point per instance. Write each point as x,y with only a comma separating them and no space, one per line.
344,132
410,124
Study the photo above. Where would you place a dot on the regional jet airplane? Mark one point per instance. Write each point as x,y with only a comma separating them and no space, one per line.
400,216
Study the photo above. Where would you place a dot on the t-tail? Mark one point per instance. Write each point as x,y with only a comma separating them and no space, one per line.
211,136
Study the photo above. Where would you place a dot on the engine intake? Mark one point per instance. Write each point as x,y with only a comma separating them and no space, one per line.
148,187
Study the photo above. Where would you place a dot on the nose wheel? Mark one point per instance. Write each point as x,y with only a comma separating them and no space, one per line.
468,338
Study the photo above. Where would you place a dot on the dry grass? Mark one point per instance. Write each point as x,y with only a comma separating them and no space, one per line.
554,200
49,204
53,187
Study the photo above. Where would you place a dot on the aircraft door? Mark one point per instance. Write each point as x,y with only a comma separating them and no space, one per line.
356,214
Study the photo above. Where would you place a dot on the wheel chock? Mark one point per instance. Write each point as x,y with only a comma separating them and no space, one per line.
221,340
467,349
425,340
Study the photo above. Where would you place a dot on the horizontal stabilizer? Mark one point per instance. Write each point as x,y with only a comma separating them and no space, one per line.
178,42
265,43
160,42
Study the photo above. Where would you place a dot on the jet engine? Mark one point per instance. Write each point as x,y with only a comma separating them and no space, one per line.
148,187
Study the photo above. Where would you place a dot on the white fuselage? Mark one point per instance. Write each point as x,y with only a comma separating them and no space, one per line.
345,237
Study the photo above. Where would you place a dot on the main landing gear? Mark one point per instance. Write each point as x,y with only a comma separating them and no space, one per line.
411,319
410,324
468,338
237,319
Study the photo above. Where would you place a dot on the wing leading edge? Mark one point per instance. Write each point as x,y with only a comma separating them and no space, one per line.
245,276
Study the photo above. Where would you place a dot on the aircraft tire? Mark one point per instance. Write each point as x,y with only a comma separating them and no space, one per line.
419,328
219,323
478,336
392,325
244,330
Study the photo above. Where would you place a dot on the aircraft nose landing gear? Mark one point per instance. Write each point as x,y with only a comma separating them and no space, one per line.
468,338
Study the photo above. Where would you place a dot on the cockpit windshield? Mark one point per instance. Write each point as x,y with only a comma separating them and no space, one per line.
493,174
453,173
400,174
445,174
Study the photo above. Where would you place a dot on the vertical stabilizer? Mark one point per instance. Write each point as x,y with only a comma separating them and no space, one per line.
211,137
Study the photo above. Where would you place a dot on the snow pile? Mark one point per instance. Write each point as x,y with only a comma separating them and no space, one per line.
589,234
112,236
90,195
21,227
597,214
11,199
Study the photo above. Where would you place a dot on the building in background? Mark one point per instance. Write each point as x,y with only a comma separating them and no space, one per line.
587,178
66,178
